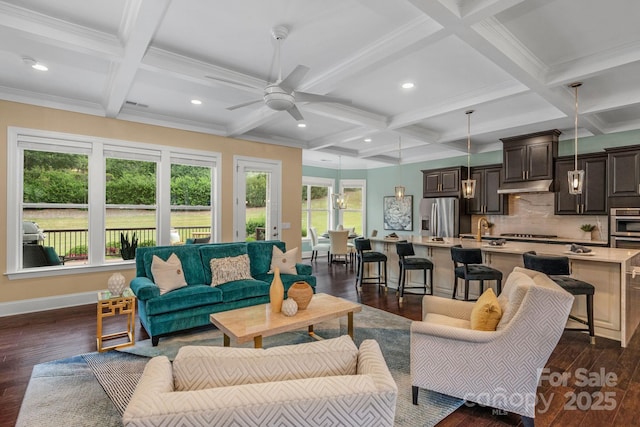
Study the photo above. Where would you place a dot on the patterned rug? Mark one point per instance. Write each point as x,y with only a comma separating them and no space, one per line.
94,389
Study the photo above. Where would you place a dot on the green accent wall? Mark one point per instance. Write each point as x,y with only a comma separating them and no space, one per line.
381,181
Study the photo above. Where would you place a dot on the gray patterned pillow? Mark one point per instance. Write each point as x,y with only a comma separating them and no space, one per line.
227,269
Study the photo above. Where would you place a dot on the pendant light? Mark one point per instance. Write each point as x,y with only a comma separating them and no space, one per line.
576,176
400,190
468,185
339,199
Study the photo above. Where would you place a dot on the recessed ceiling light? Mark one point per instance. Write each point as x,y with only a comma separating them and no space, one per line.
196,102
302,125
34,64
367,140
407,85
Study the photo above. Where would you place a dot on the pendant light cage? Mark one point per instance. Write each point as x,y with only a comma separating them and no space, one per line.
399,190
468,185
576,176
339,199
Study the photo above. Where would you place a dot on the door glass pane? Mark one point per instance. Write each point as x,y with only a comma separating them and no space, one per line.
131,205
190,203
55,217
257,205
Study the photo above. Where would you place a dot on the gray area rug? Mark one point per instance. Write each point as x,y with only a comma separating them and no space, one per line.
93,389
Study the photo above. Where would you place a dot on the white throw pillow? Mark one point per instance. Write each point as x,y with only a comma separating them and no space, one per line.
167,275
228,269
286,262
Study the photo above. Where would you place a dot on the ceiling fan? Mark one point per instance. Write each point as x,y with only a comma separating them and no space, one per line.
282,95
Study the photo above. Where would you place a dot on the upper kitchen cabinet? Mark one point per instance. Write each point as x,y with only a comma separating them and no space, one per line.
593,199
487,200
443,182
624,171
529,157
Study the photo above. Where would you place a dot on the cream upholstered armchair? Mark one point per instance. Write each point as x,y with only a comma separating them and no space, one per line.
501,368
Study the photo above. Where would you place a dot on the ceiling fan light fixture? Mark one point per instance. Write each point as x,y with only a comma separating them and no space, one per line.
277,99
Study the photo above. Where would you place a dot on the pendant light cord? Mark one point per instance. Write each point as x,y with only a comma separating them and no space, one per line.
468,113
575,86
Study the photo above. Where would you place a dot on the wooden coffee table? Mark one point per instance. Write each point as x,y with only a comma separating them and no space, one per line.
253,323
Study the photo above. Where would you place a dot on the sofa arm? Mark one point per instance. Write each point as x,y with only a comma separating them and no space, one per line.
455,334
144,288
446,307
303,269
371,362
156,379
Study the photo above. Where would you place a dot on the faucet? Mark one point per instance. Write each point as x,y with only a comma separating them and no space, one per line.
482,221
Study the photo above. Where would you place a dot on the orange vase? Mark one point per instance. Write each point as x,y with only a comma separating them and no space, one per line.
276,292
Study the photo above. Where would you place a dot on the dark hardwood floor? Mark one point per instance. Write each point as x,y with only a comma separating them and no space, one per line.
29,339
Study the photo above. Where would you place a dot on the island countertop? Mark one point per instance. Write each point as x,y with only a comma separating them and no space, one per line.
598,253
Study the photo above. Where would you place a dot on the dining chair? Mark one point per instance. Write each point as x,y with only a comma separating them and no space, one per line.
338,245
318,247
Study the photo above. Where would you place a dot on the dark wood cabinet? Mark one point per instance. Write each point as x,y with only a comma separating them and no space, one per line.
593,199
529,157
487,200
443,182
624,171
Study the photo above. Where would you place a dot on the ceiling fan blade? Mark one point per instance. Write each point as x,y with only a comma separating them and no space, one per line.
295,113
244,104
312,97
294,78
229,82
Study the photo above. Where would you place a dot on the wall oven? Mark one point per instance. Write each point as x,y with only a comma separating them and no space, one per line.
624,229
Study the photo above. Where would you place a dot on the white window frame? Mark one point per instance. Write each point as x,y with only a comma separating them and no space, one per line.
355,183
319,182
95,148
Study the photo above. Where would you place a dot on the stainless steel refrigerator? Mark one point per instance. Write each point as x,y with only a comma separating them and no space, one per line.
442,217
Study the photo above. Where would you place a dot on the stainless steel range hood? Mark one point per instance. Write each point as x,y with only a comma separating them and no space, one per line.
541,186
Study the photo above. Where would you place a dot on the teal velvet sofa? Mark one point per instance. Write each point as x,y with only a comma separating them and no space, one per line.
190,306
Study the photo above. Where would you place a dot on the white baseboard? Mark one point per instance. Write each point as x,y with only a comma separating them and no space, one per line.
48,303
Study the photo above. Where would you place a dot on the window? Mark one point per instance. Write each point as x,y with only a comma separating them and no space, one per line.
76,196
354,215
316,204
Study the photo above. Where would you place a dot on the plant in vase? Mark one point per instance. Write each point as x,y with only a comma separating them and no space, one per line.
128,249
588,231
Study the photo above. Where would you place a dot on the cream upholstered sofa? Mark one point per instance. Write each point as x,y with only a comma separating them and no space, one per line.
501,368
329,382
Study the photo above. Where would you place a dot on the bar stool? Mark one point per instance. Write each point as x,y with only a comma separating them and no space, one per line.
408,261
472,268
557,268
364,254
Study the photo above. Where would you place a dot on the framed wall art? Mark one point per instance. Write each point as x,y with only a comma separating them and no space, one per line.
398,214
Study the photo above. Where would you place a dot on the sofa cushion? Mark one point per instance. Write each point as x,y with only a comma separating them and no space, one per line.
285,261
189,257
167,275
219,250
243,289
183,299
260,253
486,312
228,269
288,279
441,319
197,368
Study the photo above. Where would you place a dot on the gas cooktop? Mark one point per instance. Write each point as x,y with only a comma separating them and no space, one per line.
529,235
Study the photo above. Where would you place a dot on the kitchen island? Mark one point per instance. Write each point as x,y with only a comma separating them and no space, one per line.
612,271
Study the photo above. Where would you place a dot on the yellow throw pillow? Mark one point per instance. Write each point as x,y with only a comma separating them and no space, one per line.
486,312
228,269
167,275
286,262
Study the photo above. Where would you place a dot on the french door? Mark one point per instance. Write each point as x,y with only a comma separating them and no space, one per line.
257,199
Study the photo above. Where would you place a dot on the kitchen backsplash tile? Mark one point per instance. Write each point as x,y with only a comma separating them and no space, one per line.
532,213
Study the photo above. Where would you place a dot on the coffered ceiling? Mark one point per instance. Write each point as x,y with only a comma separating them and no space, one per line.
509,60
